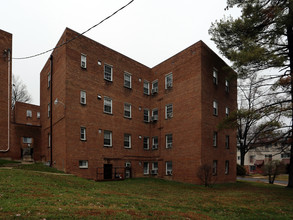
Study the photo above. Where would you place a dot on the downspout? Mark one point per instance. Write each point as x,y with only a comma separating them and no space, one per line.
51,111
9,104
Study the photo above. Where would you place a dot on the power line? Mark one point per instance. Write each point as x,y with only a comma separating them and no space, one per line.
58,46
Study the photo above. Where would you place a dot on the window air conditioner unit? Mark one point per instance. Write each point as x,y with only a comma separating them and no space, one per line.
169,173
154,172
154,118
169,115
169,145
82,64
169,85
155,146
154,91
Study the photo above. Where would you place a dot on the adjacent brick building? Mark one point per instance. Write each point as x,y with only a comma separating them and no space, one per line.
106,116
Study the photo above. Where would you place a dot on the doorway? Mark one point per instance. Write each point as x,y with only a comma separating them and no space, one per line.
108,171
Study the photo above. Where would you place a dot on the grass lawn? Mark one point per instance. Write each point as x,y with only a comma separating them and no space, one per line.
3,162
26,194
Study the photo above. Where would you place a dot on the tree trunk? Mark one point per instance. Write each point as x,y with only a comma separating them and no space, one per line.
242,155
290,47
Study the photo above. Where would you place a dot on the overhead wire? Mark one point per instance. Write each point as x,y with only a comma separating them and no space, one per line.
77,36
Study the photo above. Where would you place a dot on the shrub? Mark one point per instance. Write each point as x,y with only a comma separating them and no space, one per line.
241,171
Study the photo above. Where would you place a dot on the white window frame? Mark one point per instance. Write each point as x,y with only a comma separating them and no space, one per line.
169,168
126,74
127,138
169,81
49,80
155,167
169,111
82,133
155,114
155,146
215,139
83,164
146,83
147,143
83,97
227,141
169,140
155,86
29,113
27,140
107,132
106,74
127,108
147,166
38,115
215,167
108,103
148,115
215,108
49,110
215,76
83,61
227,86
227,167
227,111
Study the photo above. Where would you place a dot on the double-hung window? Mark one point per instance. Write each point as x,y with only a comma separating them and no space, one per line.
127,110
155,87
107,138
169,168
127,80
82,133
146,168
215,76
227,142
27,140
227,86
38,115
169,111
227,111
49,110
146,87
215,165
215,108
83,97
154,168
146,115
29,113
108,72
146,143
169,81
127,141
155,115
83,61
215,139
227,167
155,143
49,80
108,105
169,140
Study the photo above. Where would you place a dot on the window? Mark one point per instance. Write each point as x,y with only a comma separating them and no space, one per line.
108,72
49,110
82,97
155,115
83,61
127,141
215,164
27,140
215,76
107,138
215,139
145,168
146,143
169,140
127,110
169,111
49,80
227,86
82,133
49,140
29,113
268,157
227,111
38,115
155,87
215,108
252,168
146,87
83,164
251,158
227,142
107,105
154,168
169,168
155,143
169,81
227,167
127,80
285,155
146,115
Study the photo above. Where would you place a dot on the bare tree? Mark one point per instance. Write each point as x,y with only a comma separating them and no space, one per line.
273,169
19,91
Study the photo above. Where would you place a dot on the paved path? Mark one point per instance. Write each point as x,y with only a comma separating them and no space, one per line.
250,179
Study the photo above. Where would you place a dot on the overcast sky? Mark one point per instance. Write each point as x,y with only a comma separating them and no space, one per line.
148,31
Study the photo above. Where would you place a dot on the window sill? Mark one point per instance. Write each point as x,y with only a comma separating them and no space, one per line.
127,147
107,146
126,87
83,167
127,117
83,140
108,80
108,113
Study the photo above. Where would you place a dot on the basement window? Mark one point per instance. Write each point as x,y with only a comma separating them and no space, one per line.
83,164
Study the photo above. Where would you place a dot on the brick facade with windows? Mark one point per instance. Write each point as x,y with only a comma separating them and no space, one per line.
110,116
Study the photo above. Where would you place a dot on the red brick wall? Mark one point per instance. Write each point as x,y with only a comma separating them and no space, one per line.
20,114
5,75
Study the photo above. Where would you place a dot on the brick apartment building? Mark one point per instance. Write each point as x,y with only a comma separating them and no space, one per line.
106,116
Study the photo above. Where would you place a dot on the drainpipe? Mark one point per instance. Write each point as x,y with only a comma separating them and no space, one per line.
9,103
51,111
